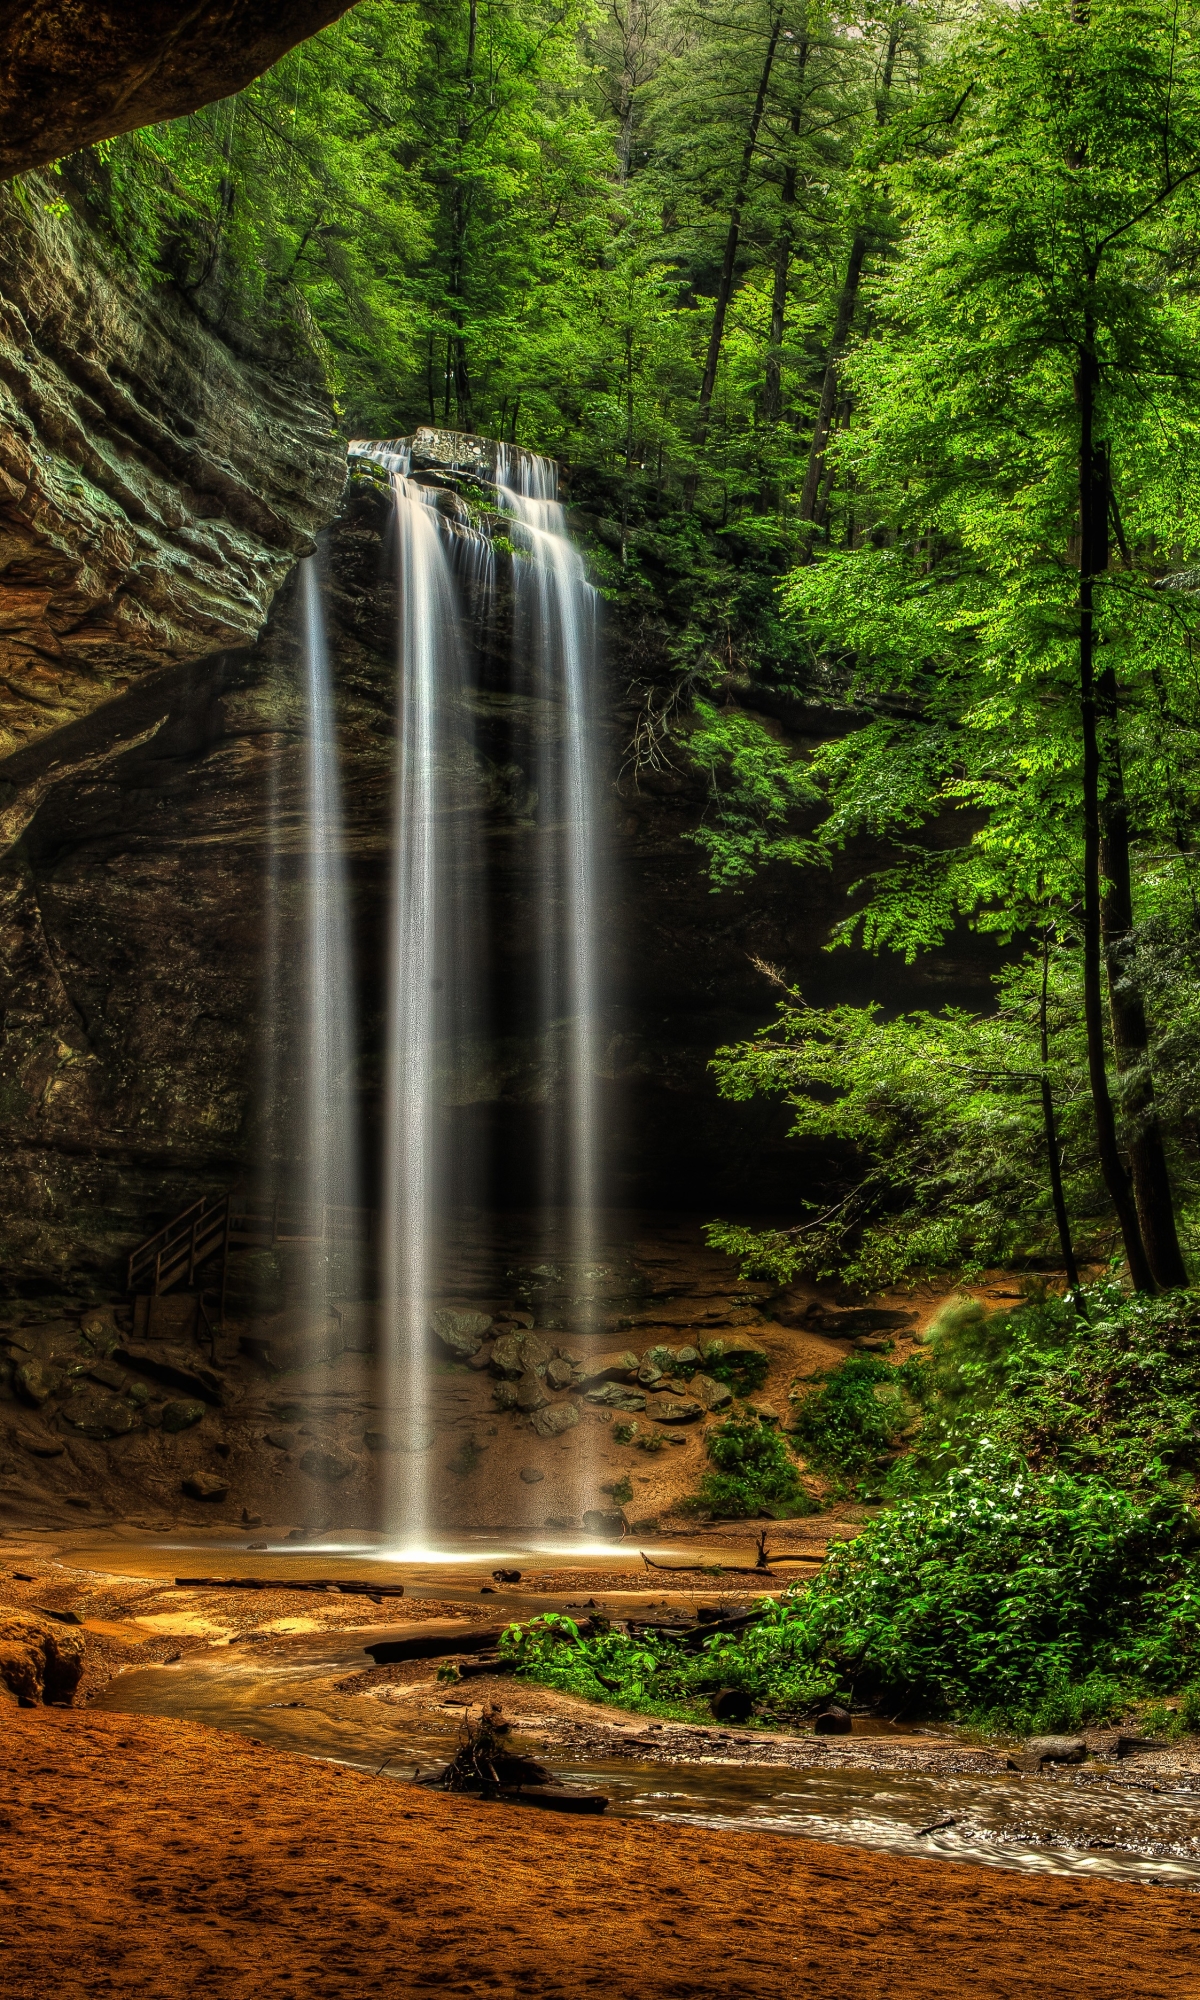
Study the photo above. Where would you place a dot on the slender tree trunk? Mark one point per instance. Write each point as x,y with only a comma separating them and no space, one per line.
459,214
1127,1014
1093,561
1053,1156
732,240
772,406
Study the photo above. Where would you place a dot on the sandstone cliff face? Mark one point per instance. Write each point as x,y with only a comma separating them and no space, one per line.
159,880
155,488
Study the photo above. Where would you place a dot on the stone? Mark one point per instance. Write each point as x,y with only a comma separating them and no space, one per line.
282,1440
650,1377
607,1524
514,1353
1056,1749
297,1341
40,1660
531,1393
620,1367
41,1444
687,1357
615,1396
461,1332
180,1415
481,1360
108,1374
554,1421
99,1329
327,1461
559,1373
35,1382
101,1416
504,1395
674,1409
712,1395
205,1486
138,1394
833,1721
378,1441
531,1475
732,1346
176,1369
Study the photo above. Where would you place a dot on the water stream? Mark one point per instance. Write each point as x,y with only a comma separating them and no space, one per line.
286,1696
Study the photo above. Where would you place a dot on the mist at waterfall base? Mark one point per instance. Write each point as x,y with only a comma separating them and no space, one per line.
453,598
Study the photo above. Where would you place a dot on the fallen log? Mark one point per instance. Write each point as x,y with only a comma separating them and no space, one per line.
375,1591
726,1569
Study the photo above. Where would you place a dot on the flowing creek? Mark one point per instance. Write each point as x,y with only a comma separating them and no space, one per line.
1090,1822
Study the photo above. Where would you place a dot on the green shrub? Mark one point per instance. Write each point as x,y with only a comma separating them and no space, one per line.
853,1422
754,1472
743,1373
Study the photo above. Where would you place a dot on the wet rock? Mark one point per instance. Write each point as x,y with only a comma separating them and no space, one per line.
41,1444
101,1416
687,1357
460,1332
1056,1749
615,1396
100,1331
504,1395
650,1375
175,1369
181,1415
674,1409
732,1346
36,1381
481,1360
205,1486
621,1367
710,1394
378,1441
607,1524
559,1373
832,1721
531,1393
326,1461
282,1440
39,1660
532,1475
554,1421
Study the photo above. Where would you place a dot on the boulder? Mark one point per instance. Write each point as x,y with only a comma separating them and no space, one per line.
282,1440
39,1660
205,1486
1056,1749
35,1382
531,1393
460,1331
175,1368
531,1475
504,1395
659,1360
607,1524
481,1360
732,1346
101,1416
615,1396
107,1374
687,1357
554,1421
622,1367
712,1395
326,1461
674,1409
180,1415
378,1441
559,1373
99,1329
514,1353
650,1375
833,1721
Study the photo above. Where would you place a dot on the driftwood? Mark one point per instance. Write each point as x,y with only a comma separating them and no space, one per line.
375,1591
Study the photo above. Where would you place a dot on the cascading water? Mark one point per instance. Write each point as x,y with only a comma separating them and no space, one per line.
557,627
329,1139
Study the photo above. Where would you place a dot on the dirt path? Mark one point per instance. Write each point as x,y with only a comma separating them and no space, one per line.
164,1860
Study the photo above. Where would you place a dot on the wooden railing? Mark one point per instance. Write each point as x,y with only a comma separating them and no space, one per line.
216,1224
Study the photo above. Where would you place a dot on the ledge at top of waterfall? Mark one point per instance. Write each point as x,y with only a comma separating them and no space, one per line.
460,453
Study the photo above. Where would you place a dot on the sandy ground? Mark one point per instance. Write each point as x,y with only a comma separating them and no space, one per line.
167,1860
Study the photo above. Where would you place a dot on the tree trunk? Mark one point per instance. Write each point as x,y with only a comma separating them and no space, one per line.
772,406
1053,1157
1093,561
732,239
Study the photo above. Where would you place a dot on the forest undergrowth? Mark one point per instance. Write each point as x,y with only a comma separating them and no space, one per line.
1035,1565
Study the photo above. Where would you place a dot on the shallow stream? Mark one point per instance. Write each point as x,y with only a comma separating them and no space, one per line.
1082,1822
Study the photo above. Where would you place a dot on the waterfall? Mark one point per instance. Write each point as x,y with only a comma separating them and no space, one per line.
432,965
329,1139
557,627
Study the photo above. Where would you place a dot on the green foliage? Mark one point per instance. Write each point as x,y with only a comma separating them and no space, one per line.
622,1491
850,1427
742,1372
760,783
754,1472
